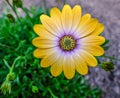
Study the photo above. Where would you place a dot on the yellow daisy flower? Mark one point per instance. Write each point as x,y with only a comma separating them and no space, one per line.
68,41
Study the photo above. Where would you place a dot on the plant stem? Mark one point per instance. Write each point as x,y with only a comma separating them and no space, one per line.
64,2
52,93
111,57
44,6
13,65
14,10
26,12
6,63
3,45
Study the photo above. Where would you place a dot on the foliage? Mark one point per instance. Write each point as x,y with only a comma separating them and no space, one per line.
31,81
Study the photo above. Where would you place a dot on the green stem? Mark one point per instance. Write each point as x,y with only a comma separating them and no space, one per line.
44,6
6,63
13,65
26,12
52,93
111,57
64,2
3,45
14,10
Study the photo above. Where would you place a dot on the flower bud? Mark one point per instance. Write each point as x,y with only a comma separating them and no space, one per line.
108,66
34,89
10,18
11,76
17,3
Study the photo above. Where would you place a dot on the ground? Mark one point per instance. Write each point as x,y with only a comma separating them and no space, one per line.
107,12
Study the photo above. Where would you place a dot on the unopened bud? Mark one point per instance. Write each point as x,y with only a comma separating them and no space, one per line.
107,66
11,76
10,18
34,89
17,3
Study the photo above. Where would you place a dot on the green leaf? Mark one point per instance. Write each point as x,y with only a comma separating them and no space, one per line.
106,42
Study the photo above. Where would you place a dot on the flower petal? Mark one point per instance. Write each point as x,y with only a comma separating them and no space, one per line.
56,16
40,53
43,43
84,19
56,68
68,66
42,32
93,49
80,64
98,30
96,40
77,11
90,59
67,18
50,58
87,28
49,24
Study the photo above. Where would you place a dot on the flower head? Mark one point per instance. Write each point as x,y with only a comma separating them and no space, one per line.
6,87
68,41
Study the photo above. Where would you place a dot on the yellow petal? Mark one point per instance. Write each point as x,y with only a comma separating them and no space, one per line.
50,58
87,28
96,40
67,18
80,64
84,19
56,68
56,17
90,59
77,11
49,24
68,67
42,32
98,30
40,53
43,43
93,49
